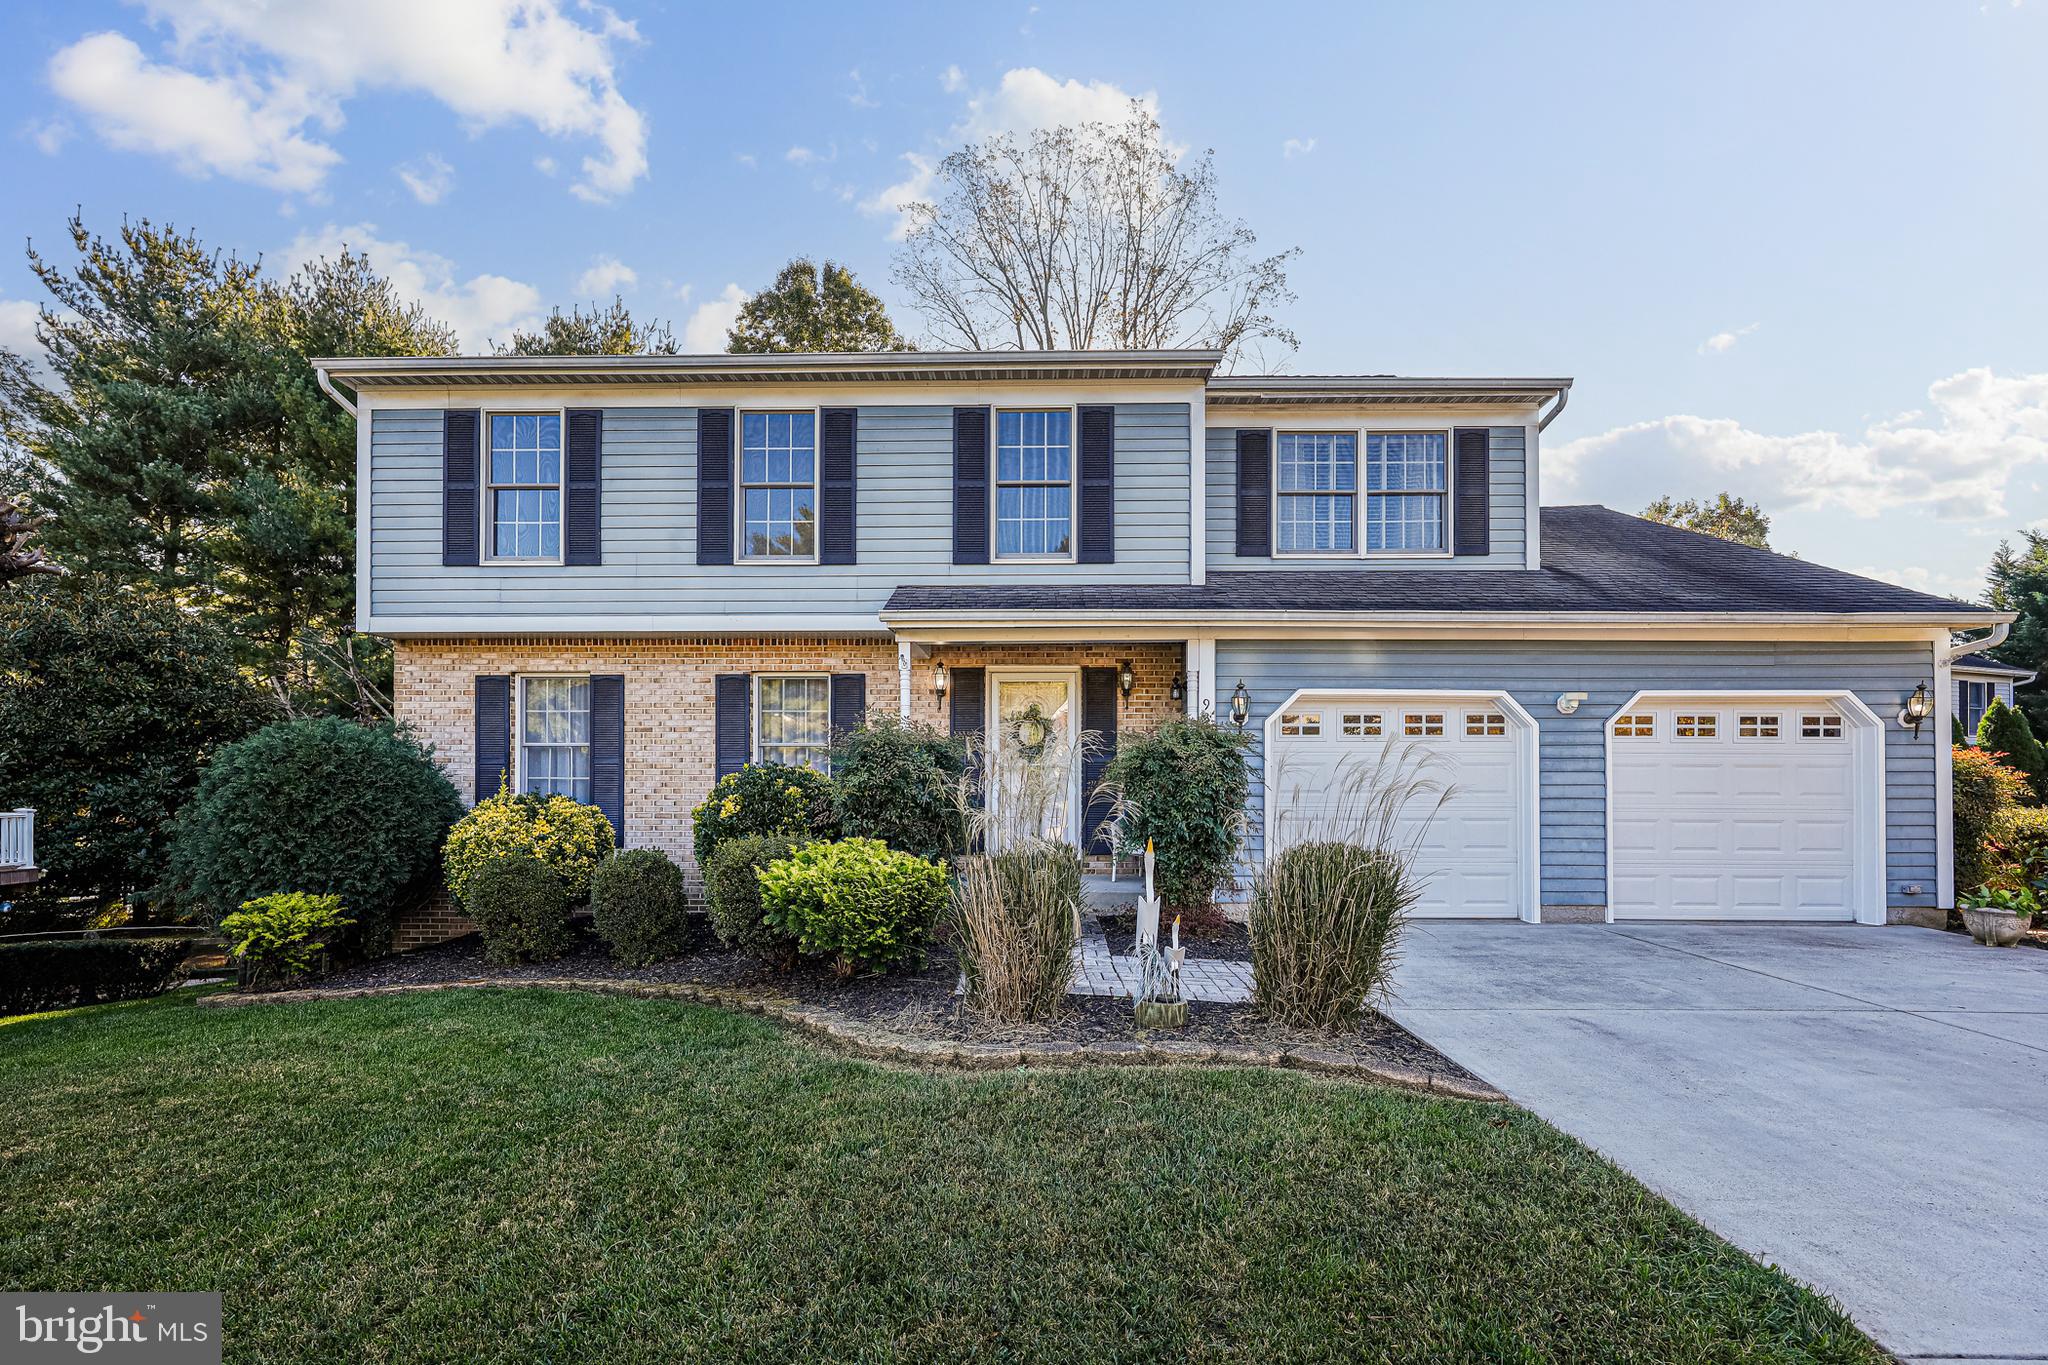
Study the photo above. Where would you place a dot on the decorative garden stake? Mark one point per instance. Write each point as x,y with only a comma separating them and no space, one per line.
1159,1003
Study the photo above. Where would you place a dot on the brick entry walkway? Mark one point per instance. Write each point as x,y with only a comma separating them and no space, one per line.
1097,971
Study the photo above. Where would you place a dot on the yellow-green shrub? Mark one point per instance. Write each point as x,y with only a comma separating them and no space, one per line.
283,938
569,839
857,901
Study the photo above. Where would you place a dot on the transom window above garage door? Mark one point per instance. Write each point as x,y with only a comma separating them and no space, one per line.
1695,725
1762,725
1485,724
1364,724
1425,724
1821,725
1301,724
1641,725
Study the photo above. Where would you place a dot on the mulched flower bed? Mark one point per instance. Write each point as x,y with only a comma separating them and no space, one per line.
917,1004
1229,941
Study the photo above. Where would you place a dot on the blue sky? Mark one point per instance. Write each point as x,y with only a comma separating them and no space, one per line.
1791,250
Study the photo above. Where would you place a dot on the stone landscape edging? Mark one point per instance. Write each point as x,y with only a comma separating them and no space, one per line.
881,1044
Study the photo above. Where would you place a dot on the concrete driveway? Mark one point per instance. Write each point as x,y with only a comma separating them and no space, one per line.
1866,1108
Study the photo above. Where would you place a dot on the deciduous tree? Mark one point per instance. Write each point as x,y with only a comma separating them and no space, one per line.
600,331
814,308
1724,518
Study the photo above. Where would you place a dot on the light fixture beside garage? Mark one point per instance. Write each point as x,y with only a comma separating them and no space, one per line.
1918,708
1240,705
1568,702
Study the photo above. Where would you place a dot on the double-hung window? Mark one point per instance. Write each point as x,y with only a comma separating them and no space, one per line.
1407,479
779,485
793,719
554,737
1034,485
1975,699
1318,489
525,471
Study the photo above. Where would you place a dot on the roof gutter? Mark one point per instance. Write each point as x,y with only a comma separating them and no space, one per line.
1563,396
1991,641
1534,621
327,387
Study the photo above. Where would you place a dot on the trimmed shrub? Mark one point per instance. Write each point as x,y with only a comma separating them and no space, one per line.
522,907
764,798
1984,790
732,894
1326,917
52,974
901,784
637,901
1956,735
567,838
282,939
857,901
1183,786
2016,845
324,806
1015,918
2006,731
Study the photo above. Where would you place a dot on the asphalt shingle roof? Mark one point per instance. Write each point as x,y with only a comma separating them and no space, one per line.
1984,663
1594,560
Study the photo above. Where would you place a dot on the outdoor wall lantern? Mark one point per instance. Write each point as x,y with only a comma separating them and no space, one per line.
1918,708
1125,678
939,679
1240,705
1179,690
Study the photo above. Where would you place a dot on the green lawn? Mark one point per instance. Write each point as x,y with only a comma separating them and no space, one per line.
534,1175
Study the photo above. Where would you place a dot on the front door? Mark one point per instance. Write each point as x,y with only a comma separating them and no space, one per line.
1034,778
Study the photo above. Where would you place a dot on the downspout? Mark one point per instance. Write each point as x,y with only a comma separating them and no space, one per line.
327,387
1991,641
1563,396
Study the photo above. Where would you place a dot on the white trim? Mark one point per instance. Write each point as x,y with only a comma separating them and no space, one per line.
364,418
487,529
995,483
1201,661
903,681
1528,842
1944,781
1198,490
992,729
739,489
1532,495
1871,890
1359,495
754,681
518,765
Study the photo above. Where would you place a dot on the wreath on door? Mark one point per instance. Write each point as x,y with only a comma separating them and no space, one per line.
1029,731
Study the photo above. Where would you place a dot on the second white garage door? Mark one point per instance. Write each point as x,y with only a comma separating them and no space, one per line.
1475,853
1736,810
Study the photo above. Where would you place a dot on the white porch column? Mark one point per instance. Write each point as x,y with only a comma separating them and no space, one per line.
903,681
1201,676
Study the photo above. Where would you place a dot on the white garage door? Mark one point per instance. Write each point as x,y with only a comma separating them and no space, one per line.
1743,810
1325,752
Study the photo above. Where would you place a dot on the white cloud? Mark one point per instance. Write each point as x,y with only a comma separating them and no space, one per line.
18,327
481,309
860,99
50,135
545,165
428,177
1722,341
607,275
1296,146
1966,586
683,292
804,156
1025,99
1955,459
255,80
747,159
706,330
953,80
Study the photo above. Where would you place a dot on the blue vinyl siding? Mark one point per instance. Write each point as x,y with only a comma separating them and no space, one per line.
1508,489
903,535
1571,754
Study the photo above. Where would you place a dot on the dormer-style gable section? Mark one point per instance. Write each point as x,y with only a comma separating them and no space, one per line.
1350,471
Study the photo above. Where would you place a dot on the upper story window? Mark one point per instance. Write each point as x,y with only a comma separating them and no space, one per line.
1973,699
554,737
525,502
1034,484
779,485
1407,477
1315,509
793,720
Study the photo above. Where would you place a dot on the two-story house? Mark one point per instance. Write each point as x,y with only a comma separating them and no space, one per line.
620,577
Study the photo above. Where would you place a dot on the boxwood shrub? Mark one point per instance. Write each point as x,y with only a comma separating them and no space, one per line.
636,900
764,798
567,838
521,906
50,974
859,902
732,895
901,784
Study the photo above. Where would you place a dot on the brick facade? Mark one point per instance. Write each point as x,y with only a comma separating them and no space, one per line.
670,756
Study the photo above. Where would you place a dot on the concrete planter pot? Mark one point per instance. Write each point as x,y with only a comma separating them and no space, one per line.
1160,1013
1996,928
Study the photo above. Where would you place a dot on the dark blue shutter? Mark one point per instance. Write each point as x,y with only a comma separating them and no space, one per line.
734,697
608,750
849,702
1098,715
493,734
837,486
1098,485
460,516
714,485
583,453
970,485
1471,481
1254,494
968,719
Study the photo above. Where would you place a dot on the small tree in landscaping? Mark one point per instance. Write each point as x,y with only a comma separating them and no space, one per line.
764,798
2002,730
857,901
567,838
637,904
1984,790
900,783
324,806
1183,787
281,939
732,894
522,907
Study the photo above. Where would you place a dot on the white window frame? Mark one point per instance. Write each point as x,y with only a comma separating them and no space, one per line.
1360,495
1774,717
996,485
487,531
739,488
759,750
519,728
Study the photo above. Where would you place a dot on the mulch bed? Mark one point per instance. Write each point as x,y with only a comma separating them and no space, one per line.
918,1004
1229,941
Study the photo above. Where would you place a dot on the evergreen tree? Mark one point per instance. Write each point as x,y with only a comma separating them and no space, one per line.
2006,731
1724,518
2019,583
814,308
606,331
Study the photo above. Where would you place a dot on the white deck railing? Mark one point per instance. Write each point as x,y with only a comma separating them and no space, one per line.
17,838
